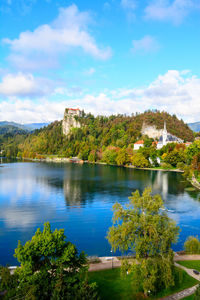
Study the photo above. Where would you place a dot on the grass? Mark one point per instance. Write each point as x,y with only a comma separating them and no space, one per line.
189,297
112,286
190,264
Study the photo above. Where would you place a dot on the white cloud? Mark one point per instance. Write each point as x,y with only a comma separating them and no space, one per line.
174,11
145,45
68,31
24,85
176,92
129,6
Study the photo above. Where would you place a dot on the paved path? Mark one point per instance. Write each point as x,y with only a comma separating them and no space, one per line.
114,262
106,263
186,292
186,257
110,262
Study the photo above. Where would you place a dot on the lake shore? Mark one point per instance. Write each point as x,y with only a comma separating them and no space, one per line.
68,160
195,183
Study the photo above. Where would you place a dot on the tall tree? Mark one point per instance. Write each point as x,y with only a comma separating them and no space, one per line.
144,228
51,268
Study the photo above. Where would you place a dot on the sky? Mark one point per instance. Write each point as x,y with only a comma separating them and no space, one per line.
106,57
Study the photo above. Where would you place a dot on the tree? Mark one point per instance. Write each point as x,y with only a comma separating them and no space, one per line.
138,160
192,245
144,228
122,157
51,268
109,155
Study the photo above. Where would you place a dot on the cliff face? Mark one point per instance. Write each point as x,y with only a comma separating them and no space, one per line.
151,131
70,120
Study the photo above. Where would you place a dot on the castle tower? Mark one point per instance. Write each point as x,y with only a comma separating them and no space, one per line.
164,134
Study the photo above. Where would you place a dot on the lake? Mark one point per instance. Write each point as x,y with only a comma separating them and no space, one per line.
79,198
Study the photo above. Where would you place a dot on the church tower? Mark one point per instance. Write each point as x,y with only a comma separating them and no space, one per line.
164,135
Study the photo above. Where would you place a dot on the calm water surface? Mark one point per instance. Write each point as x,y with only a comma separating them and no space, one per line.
79,198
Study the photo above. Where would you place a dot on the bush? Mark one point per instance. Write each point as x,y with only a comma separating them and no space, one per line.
166,166
180,166
197,293
192,245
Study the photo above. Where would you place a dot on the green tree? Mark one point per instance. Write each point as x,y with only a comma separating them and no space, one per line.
122,157
192,245
144,228
51,268
110,155
138,160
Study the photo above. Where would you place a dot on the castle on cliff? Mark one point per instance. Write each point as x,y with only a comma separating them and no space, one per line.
70,119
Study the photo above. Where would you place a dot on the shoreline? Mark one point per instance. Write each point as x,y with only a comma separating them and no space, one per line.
194,182
68,160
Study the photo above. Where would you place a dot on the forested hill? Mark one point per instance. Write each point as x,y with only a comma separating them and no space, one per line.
97,133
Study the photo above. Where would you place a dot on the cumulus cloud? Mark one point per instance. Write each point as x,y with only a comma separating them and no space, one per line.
145,45
176,92
24,85
174,11
43,45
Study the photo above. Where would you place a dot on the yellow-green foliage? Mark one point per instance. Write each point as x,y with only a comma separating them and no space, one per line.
192,245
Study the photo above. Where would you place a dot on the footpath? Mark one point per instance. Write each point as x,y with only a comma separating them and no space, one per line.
114,262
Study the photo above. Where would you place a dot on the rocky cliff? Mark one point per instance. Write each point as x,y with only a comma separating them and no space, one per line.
70,119
151,131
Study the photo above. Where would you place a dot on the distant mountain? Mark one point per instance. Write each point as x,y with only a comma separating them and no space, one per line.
194,126
26,127
10,131
33,126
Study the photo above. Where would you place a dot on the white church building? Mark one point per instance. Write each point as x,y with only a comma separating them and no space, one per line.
166,138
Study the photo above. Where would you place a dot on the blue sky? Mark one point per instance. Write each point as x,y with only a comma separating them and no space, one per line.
114,56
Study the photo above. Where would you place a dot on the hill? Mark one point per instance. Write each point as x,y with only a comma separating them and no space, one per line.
194,126
28,127
97,133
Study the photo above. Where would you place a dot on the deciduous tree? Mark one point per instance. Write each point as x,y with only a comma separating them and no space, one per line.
144,228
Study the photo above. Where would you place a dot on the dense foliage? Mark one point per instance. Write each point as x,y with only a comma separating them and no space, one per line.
192,245
97,134
144,228
50,268
10,138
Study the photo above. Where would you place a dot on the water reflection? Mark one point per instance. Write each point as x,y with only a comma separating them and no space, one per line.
79,198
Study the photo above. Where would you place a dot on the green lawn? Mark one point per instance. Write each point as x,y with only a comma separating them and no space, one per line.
189,298
112,286
191,264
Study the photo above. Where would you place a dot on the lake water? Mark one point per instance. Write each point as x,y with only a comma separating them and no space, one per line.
79,198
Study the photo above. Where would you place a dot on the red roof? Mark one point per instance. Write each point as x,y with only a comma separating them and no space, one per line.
73,108
140,142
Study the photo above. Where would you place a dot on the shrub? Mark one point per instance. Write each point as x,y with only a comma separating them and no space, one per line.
192,245
166,166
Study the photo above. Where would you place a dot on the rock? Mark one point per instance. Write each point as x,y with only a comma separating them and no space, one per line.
70,119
